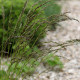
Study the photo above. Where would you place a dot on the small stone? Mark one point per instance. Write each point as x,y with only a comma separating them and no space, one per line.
71,71
73,61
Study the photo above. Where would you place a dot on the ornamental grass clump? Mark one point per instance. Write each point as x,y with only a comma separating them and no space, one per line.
22,25
15,24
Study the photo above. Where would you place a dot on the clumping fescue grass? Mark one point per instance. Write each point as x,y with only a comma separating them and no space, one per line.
20,36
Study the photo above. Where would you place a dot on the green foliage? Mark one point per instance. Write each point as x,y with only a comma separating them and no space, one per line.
52,8
27,66
53,60
2,73
5,76
12,10
29,62
23,67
